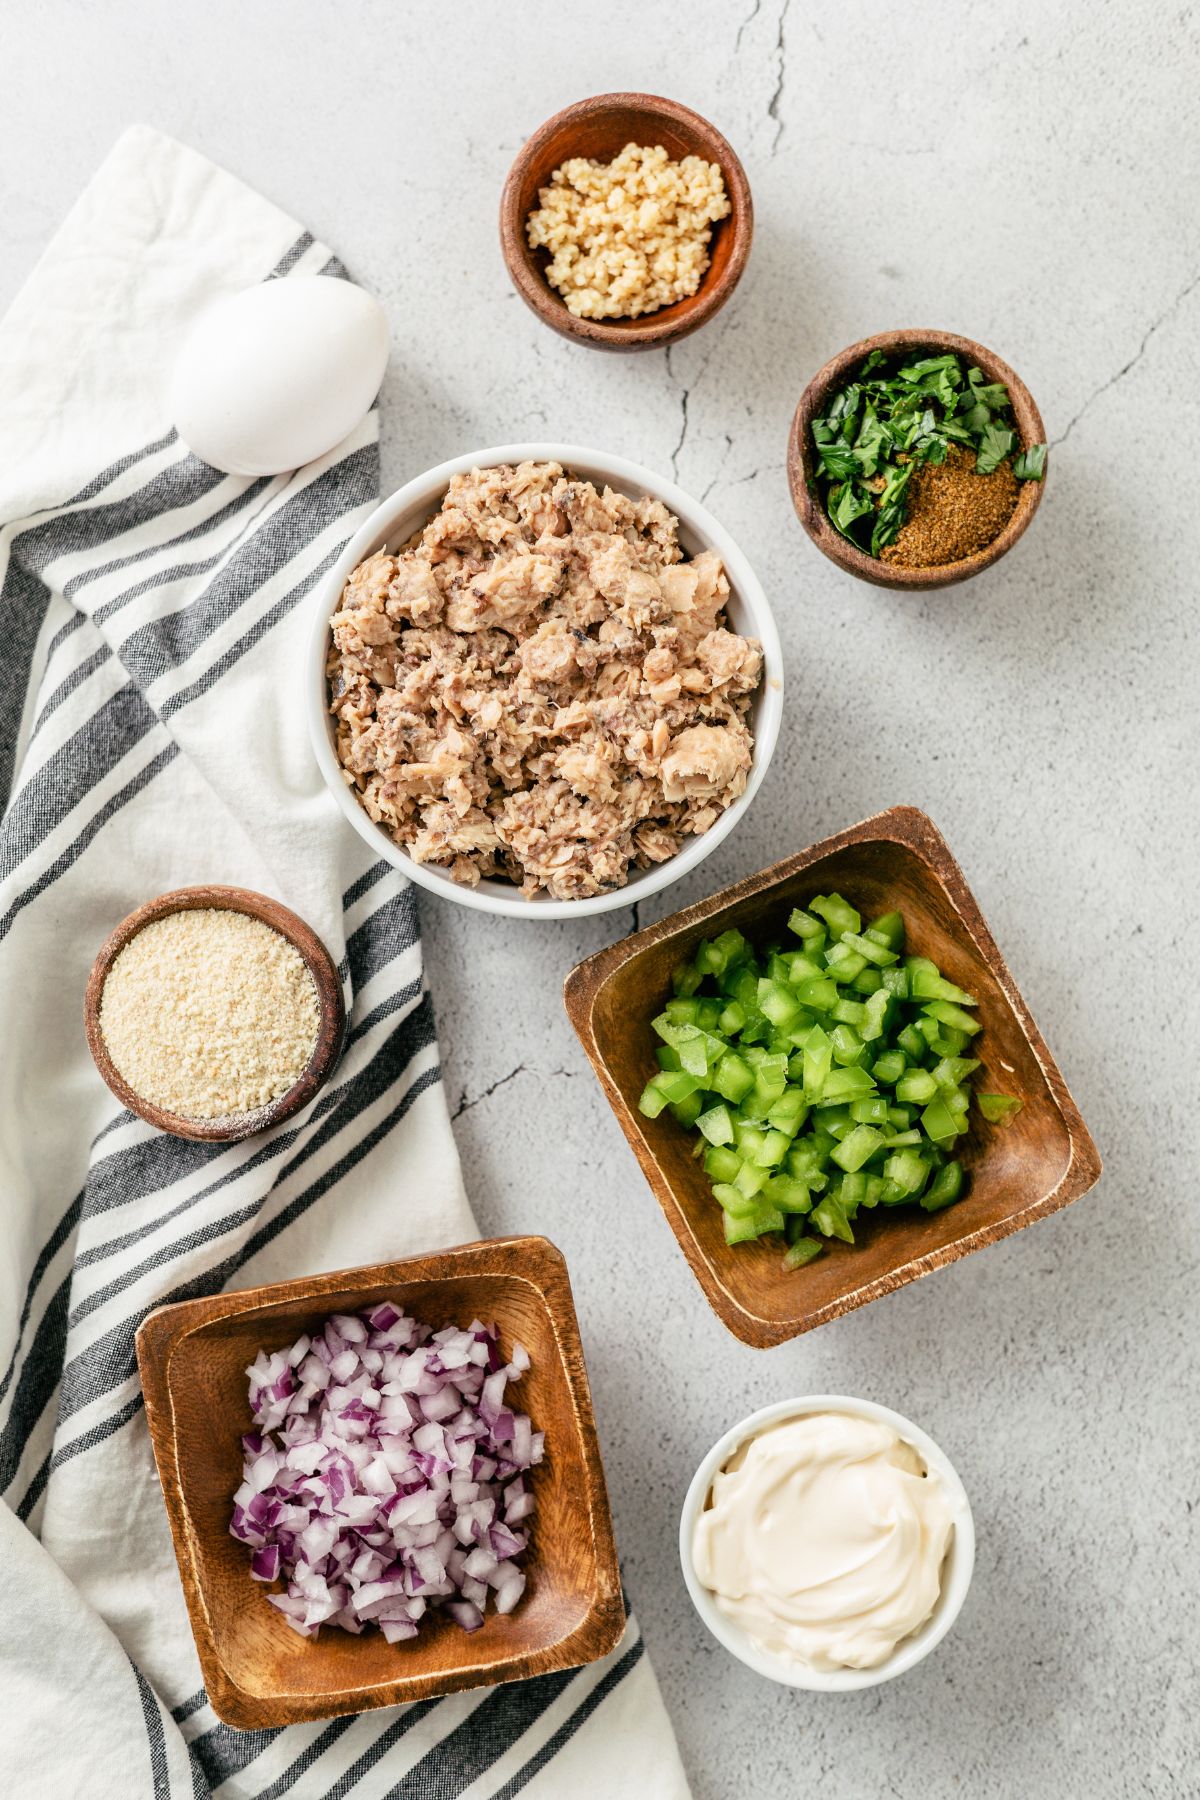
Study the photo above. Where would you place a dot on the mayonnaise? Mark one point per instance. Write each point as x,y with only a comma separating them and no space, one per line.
824,1539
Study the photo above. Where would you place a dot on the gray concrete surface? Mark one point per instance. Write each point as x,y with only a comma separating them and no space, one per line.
1026,174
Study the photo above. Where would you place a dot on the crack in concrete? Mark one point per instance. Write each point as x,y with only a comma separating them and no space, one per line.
781,77
635,916
683,422
745,24
1134,360
465,1105
721,469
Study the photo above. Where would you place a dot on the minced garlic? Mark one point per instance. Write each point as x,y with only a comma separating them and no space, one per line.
629,236
209,1014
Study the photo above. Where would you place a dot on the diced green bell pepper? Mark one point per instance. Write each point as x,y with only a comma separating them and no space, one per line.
846,1044
837,913
732,1078
870,950
913,1043
721,1164
947,1014
805,926
789,1111
733,1200
871,1110
686,1112
751,1180
856,1147
945,1187
876,1012
917,1086
686,979
844,965
829,1218
843,1084
908,1169
997,1109
939,1122
716,1124
804,1250
739,1228
889,1067
868,982
820,994
927,984
788,1193
888,930
772,1150
818,1060
953,1070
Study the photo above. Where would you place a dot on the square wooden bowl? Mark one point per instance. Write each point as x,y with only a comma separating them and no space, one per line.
1017,1173
259,1672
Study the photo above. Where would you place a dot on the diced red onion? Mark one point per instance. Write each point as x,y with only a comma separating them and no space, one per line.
385,1473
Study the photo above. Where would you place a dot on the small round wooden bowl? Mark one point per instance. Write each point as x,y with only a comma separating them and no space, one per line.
320,966
802,459
600,128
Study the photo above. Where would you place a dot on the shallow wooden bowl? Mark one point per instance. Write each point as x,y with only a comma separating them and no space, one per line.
1016,1173
802,458
320,965
259,1672
600,128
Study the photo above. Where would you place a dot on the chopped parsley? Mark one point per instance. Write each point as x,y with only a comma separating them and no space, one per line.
883,424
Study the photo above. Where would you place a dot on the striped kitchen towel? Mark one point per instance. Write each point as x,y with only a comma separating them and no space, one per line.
151,734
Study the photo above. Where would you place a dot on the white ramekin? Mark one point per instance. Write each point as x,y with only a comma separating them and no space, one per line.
956,1571
397,518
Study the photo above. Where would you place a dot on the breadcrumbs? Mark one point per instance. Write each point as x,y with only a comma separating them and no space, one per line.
630,236
951,511
209,1014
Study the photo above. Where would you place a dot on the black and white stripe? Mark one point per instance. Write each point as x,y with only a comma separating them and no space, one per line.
132,614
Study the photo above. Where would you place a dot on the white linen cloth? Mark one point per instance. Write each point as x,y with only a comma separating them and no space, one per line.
152,618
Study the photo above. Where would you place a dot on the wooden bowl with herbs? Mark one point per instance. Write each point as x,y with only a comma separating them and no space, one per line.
916,458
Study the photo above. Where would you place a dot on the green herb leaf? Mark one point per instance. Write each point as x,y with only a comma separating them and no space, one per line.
993,394
976,418
890,516
844,410
837,459
932,449
954,428
1031,464
995,444
845,506
931,365
872,443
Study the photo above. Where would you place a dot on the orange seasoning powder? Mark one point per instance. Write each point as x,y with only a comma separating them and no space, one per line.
951,511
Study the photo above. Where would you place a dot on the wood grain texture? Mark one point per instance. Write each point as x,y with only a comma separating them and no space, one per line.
802,459
257,1670
330,1029
1016,1173
600,128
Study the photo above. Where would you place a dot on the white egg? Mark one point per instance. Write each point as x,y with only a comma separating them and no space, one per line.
277,375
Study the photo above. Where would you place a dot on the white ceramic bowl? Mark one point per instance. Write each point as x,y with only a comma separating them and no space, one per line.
397,518
956,1571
